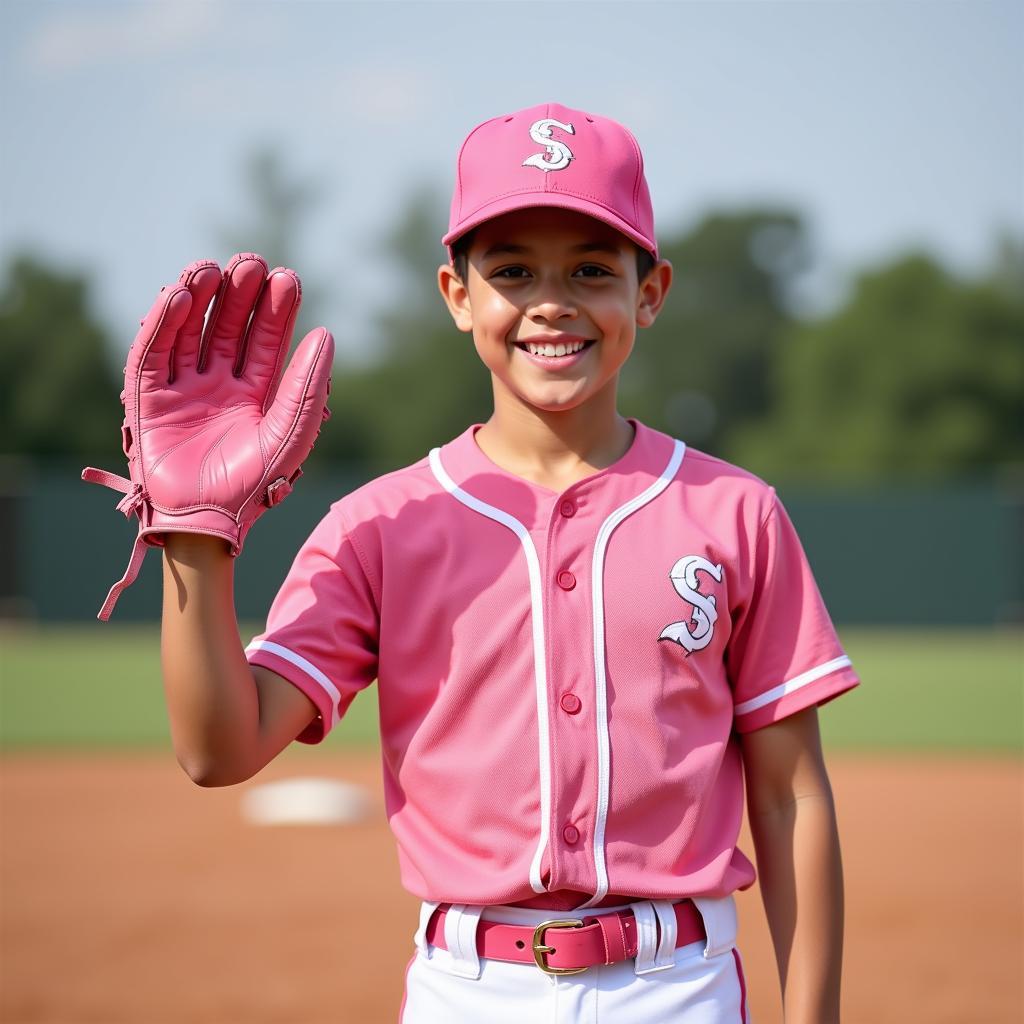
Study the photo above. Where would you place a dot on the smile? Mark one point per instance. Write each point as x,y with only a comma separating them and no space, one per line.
552,350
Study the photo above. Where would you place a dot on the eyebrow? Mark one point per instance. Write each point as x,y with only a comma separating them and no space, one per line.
508,249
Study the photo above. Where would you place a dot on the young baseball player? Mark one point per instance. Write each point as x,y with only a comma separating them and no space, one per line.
585,633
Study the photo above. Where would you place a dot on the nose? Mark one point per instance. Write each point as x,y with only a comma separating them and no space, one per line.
551,302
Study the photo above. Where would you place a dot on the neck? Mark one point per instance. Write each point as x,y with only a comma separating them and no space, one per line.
555,449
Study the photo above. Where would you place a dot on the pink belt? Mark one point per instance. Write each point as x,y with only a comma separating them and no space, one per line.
567,945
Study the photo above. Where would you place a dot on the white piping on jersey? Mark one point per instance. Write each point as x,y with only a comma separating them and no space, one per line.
308,667
777,692
600,667
539,660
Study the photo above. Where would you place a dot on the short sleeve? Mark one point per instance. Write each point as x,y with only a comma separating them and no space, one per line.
783,655
323,626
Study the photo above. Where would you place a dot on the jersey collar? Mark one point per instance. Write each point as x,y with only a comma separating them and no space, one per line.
531,503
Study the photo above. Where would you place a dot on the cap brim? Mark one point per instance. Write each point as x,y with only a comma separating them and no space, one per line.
561,200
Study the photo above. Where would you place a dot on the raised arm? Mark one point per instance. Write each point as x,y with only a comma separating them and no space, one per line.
228,719
215,435
793,823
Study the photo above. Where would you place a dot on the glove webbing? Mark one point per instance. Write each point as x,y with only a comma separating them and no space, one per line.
129,505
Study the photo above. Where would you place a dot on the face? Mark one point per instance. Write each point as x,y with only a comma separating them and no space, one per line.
553,302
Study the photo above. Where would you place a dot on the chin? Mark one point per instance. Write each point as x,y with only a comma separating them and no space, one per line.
554,405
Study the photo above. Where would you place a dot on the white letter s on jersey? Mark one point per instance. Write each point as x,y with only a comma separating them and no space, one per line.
705,611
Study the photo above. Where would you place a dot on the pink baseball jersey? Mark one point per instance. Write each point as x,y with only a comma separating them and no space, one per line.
562,677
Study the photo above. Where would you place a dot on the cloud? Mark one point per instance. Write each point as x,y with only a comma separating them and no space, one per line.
93,35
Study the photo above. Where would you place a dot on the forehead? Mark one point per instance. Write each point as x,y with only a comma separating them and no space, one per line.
546,228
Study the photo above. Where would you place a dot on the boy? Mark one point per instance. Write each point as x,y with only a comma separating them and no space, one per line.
584,634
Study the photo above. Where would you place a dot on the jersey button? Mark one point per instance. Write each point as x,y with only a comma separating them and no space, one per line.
567,508
566,580
571,704
571,834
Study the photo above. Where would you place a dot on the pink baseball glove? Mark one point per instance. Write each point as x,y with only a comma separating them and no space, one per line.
211,436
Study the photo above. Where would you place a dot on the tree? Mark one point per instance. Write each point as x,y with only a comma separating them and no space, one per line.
920,376
58,393
429,384
280,203
702,371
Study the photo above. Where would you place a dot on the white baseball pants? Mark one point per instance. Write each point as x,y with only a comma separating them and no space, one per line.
700,983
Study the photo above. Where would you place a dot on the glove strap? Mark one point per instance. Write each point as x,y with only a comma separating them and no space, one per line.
129,505
129,577
111,480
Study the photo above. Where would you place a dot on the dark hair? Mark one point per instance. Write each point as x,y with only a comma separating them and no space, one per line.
460,258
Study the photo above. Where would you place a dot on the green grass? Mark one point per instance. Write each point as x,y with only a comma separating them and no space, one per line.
939,689
99,686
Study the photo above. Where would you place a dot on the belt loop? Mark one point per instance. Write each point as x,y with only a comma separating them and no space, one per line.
646,938
420,938
719,923
666,911
460,937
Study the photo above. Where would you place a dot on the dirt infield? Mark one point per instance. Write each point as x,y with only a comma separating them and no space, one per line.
129,895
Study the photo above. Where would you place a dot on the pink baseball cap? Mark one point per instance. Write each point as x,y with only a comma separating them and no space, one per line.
550,155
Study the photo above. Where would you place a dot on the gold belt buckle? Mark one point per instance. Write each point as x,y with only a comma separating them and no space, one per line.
540,951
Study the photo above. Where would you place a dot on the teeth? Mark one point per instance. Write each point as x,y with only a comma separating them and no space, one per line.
548,349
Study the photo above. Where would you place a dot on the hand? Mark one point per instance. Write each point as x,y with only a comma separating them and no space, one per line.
213,433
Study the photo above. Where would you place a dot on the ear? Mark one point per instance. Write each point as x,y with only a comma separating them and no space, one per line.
456,297
653,291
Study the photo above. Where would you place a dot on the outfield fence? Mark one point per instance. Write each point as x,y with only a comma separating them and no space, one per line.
898,555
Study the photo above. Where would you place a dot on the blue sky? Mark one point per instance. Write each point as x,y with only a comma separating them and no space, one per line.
892,124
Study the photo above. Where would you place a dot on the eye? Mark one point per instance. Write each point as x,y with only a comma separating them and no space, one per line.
510,273
593,270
